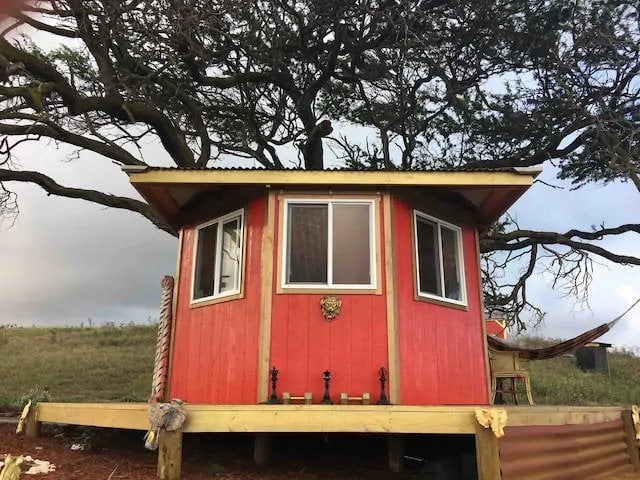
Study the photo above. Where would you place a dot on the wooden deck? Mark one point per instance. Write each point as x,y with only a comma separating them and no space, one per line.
552,421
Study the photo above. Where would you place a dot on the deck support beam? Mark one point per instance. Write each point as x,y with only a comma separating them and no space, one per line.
395,447
487,454
261,450
32,426
170,455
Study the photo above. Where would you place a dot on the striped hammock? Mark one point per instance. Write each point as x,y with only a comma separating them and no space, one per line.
558,349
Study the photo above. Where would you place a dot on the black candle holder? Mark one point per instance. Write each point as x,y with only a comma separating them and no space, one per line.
273,398
383,400
326,399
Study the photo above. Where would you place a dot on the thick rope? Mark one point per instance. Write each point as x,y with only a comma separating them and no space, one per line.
161,364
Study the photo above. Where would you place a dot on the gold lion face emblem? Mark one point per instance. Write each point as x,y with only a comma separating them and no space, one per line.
330,307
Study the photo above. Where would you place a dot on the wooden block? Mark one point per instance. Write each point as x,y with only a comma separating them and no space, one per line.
170,455
344,399
261,449
286,398
487,454
395,448
632,443
366,398
308,398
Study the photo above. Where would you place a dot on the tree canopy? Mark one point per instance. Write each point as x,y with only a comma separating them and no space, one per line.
425,83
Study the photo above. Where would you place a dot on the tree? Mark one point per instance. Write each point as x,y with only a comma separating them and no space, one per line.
430,83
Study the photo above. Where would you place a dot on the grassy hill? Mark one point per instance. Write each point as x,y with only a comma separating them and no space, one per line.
115,364
78,364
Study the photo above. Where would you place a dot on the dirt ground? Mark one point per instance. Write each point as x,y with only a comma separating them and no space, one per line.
119,455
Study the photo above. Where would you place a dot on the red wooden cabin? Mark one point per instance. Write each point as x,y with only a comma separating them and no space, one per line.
260,249
497,327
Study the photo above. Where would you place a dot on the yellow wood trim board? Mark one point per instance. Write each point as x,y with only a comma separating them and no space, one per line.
264,339
485,345
392,326
174,311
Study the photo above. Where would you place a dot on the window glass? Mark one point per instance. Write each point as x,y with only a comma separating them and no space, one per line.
230,256
428,257
351,244
308,225
450,256
205,262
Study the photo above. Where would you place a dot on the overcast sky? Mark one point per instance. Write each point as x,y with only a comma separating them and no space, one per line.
66,261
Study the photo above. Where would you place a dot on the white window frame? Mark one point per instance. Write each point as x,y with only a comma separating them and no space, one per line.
216,279
460,263
372,285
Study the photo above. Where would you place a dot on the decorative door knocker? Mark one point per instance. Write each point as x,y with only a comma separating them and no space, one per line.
330,307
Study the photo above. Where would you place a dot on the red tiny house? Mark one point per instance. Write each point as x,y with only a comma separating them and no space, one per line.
395,251
441,350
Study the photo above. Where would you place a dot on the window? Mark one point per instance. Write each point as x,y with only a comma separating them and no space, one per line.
329,244
218,258
438,256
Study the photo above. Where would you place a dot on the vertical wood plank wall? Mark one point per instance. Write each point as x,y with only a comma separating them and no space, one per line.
215,350
353,346
441,351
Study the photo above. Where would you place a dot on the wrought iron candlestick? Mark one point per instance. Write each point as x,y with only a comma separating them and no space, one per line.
326,399
383,400
273,398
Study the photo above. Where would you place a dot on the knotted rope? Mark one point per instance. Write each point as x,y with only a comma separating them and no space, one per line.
161,364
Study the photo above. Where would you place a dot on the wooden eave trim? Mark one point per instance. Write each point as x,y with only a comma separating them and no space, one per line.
331,177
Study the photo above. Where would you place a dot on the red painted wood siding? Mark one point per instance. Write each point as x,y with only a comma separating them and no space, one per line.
353,346
496,329
441,349
215,351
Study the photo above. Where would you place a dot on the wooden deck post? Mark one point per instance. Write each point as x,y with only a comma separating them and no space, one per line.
395,446
32,426
261,449
170,455
632,442
487,454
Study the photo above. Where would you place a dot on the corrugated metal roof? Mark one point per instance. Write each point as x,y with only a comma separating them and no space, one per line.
137,168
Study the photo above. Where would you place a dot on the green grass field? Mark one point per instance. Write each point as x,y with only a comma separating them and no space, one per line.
77,364
116,363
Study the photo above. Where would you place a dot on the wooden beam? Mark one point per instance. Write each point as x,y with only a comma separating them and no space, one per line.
261,449
395,450
485,346
392,308
330,419
32,426
487,454
632,442
264,335
331,177
170,455
319,418
132,416
174,311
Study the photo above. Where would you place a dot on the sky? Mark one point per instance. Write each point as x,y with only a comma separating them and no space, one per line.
67,262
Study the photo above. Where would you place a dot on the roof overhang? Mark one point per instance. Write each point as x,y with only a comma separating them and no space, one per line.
175,193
